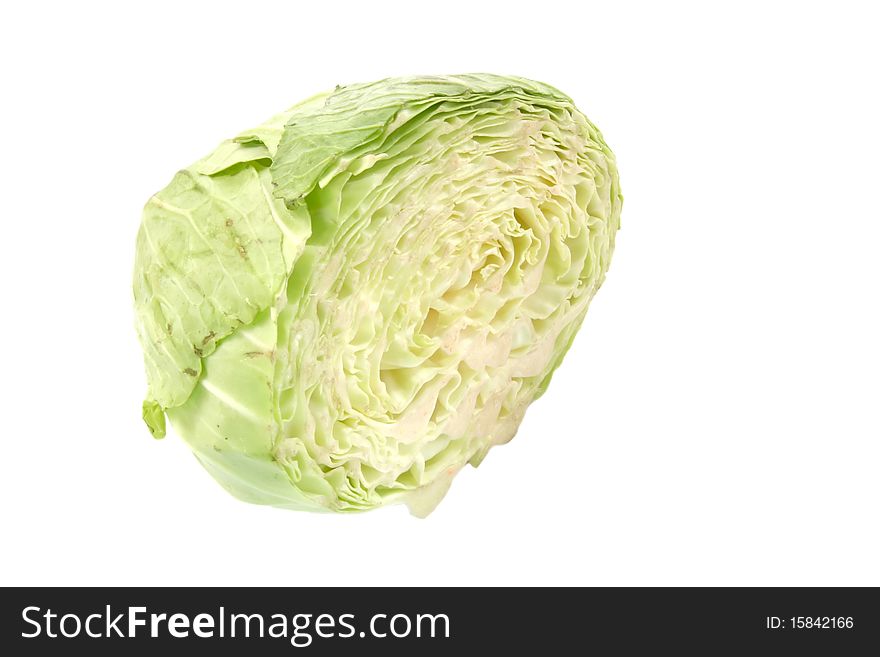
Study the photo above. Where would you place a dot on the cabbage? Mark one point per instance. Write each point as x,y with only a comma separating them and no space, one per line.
342,307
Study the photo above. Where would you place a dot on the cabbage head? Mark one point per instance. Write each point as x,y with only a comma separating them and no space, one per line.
343,306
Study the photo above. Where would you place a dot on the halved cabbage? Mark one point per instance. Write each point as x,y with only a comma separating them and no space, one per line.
342,307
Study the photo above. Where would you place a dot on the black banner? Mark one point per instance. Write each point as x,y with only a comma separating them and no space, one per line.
279,621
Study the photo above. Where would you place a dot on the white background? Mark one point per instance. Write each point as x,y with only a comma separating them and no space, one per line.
716,421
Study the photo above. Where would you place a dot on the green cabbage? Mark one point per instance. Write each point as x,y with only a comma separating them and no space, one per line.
342,307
